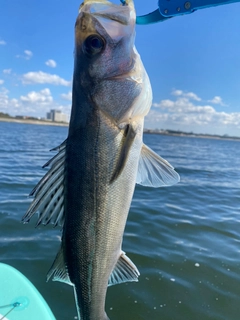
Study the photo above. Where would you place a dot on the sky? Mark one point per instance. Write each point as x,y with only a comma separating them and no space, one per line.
193,62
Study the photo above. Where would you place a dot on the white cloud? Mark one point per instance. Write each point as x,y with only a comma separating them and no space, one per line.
7,104
34,103
2,42
27,55
177,92
189,95
7,71
67,96
183,106
51,63
1,81
64,109
217,100
43,78
43,97
192,96
3,97
187,115
165,104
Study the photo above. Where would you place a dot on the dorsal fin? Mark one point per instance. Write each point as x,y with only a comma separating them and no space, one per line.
49,192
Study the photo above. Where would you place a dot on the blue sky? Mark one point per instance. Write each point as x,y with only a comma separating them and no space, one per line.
193,62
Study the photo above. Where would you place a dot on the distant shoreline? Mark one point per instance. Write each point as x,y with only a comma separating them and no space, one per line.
39,122
194,135
146,131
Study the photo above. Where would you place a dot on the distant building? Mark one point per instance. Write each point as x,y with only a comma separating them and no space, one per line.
57,115
21,117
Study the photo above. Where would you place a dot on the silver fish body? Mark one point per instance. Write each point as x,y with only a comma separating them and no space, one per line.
90,184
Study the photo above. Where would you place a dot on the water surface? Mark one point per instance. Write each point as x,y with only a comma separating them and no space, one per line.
185,239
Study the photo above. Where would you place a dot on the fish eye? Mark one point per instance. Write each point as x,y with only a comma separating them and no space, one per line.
93,44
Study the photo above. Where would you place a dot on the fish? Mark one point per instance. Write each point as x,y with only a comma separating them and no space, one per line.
90,184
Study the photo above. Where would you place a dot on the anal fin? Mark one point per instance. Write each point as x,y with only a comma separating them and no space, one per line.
58,270
124,271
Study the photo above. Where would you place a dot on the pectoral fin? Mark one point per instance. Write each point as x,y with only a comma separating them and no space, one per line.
128,138
124,271
154,171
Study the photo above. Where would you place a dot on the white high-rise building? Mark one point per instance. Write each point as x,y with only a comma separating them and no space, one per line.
57,115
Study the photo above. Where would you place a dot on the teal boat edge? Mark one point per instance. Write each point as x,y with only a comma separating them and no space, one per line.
19,298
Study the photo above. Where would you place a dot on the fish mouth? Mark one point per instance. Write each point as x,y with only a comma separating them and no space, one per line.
111,16
108,10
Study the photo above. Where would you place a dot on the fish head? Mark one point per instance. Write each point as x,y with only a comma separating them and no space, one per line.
104,33
107,66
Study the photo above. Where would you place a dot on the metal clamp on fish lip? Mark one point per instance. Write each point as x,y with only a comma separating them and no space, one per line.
171,8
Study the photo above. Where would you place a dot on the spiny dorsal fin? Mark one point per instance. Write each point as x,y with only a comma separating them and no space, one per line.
128,139
49,192
154,171
124,271
58,269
